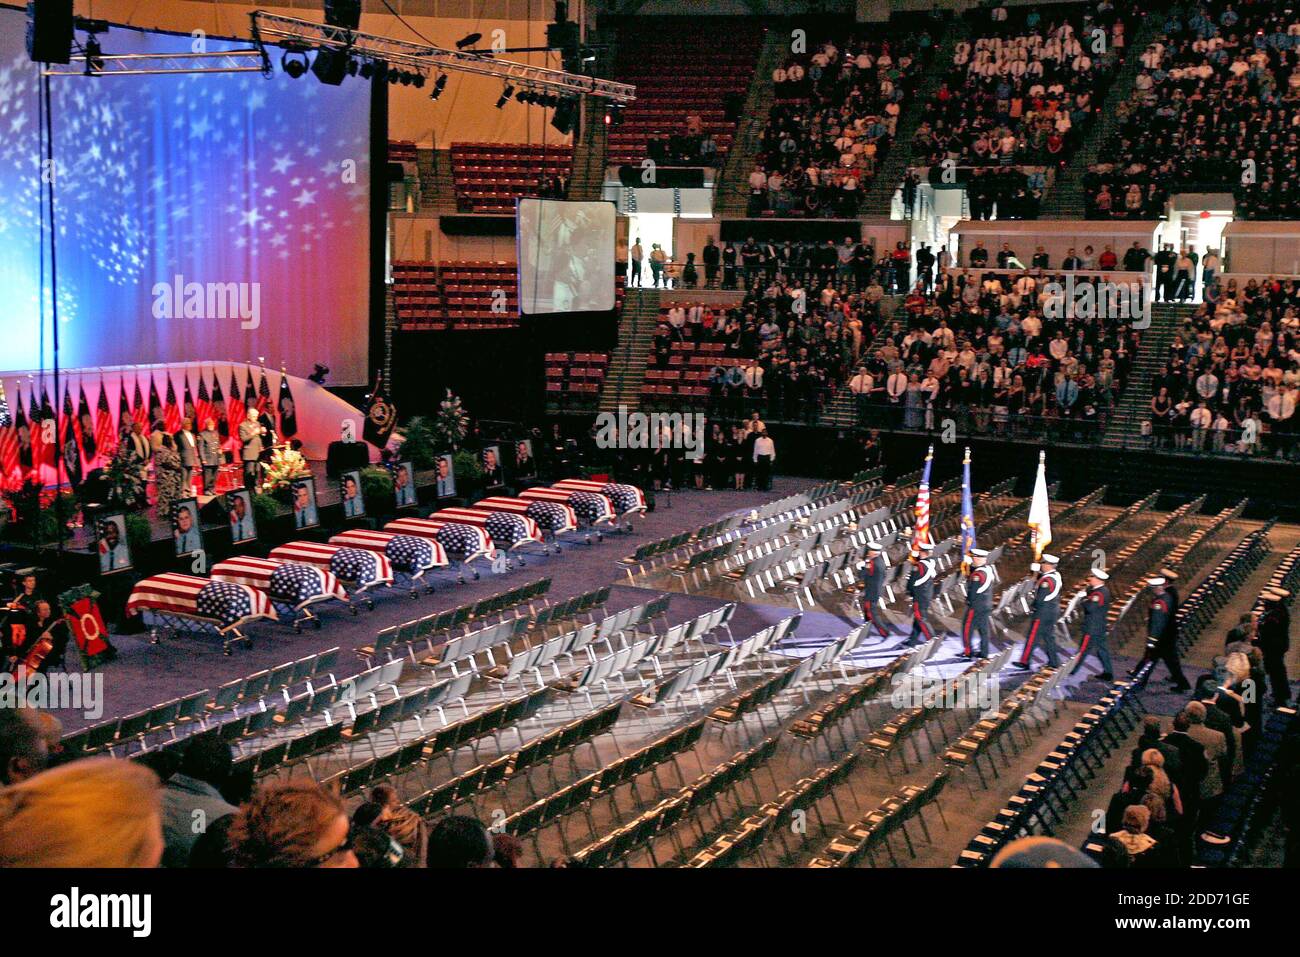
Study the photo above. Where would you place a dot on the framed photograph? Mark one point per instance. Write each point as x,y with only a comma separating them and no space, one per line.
111,544
404,484
525,465
186,534
354,503
304,503
490,458
239,509
444,471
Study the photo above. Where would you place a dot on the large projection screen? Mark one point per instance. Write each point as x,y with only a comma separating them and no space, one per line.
566,256
199,217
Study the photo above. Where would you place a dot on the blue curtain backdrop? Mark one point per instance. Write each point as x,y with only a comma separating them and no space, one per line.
211,192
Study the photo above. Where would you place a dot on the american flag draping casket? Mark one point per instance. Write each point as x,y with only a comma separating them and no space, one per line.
507,530
553,517
456,538
357,565
226,604
290,583
626,498
408,553
591,507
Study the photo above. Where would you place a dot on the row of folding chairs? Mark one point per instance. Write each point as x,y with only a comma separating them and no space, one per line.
861,840
1097,532
1040,802
615,846
996,730
776,815
602,784
506,715
1200,606
717,664
1286,575
441,625
567,645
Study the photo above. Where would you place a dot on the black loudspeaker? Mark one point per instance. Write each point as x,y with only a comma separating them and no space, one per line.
330,66
343,13
49,30
345,456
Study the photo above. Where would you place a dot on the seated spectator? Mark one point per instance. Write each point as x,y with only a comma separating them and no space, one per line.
460,842
291,824
192,797
97,812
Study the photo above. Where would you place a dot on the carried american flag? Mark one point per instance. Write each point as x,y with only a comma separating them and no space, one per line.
407,552
551,516
190,596
290,583
626,498
356,565
456,538
592,507
506,529
921,529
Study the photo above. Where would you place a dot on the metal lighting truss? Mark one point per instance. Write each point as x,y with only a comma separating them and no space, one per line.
151,64
294,34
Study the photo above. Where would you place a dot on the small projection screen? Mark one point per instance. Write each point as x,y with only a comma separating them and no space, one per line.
566,256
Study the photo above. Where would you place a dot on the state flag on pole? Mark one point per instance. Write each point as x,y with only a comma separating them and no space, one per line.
967,516
86,425
288,411
1040,513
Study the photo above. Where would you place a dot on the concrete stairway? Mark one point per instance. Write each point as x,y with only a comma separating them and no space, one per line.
437,188
627,364
879,197
1124,427
1065,198
842,411
589,152
731,190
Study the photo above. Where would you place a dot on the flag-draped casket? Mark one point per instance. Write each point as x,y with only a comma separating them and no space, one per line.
224,603
359,566
295,584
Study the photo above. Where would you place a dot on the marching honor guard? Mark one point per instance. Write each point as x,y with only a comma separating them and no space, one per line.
1044,614
1162,636
920,585
1096,606
872,575
979,604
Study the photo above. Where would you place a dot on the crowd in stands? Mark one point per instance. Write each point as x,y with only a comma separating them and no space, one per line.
1000,353
1179,770
815,264
1215,104
1232,378
834,117
1023,88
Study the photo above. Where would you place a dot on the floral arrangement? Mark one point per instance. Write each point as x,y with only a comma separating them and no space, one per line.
451,424
285,466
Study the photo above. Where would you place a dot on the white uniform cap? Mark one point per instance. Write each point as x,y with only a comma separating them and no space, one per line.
1098,573
1050,559
926,547
875,546
1157,580
979,552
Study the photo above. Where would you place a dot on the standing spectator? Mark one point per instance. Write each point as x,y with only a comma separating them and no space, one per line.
637,254
192,798
764,457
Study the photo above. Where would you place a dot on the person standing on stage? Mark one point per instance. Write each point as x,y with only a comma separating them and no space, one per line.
920,585
1096,606
872,574
1044,614
979,604
251,432
210,455
1162,638
1273,636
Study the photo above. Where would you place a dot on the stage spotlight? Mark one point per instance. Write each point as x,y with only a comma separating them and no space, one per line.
404,79
352,67
506,94
319,375
468,41
296,66
331,66
525,97
438,86
418,81
614,114
394,76
566,115
94,56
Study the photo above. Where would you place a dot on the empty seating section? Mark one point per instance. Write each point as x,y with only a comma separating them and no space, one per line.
401,151
682,74
489,177
574,378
